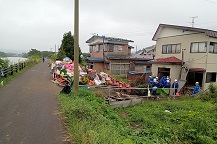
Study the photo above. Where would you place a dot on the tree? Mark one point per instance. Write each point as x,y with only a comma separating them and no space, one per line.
67,46
34,52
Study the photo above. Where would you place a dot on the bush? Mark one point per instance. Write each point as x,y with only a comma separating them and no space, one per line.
211,95
3,63
212,88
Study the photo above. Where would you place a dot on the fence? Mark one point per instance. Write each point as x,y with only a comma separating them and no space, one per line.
116,96
14,68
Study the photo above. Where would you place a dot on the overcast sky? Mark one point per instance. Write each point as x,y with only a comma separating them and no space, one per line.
40,24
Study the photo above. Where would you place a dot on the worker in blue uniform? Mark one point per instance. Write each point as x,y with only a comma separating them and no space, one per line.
196,88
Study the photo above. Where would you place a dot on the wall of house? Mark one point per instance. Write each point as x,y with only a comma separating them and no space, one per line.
125,50
96,54
98,67
193,60
168,32
174,70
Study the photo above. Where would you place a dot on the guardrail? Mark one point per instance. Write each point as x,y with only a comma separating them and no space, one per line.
14,68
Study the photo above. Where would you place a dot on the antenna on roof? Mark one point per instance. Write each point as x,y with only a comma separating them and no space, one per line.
192,22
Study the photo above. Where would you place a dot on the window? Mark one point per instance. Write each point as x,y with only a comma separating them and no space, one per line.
120,68
210,77
171,48
198,47
111,47
213,47
95,48
118,48
91,49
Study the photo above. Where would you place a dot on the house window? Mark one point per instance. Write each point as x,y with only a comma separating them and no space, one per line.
111,47
120,68
96,48
210,77
118,48
213,47
171,48
91,49
198,47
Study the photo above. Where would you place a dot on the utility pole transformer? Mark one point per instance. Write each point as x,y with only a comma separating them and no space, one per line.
76,46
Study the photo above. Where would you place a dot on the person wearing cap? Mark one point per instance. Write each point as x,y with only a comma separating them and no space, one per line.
196,88
155,85
175,86
150,80
167,84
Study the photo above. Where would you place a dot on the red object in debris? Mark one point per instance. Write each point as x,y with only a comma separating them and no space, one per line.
177,94
121,85
90,70
127,85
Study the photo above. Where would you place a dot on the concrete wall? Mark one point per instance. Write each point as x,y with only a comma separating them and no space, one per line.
174,70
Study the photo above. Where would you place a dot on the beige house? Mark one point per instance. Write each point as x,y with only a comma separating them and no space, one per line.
186,53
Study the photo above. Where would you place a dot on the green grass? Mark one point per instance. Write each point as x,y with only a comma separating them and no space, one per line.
91,121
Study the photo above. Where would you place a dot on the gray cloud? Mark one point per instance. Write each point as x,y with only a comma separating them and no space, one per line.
41,24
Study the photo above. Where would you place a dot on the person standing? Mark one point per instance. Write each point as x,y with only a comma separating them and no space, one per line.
155,85
196,88
175,86
43,58
150,80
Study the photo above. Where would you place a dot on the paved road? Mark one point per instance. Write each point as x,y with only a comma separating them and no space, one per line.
28,109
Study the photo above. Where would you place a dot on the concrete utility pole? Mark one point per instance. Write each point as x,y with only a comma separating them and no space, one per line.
192,22
76,46
55,50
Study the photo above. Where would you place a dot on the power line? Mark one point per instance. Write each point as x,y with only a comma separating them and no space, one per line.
210,1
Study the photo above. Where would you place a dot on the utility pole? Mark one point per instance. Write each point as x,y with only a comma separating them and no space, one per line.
103,41
55,50
76,46
183,50
192,22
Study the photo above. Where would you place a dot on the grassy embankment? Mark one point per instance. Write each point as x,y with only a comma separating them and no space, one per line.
187,120
32,61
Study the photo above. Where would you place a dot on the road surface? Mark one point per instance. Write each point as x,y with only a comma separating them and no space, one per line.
29,108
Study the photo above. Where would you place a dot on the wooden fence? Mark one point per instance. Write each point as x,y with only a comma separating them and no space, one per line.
14,68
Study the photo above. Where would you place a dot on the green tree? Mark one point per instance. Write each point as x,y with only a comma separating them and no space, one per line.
67,46
34,52
61,54
2,54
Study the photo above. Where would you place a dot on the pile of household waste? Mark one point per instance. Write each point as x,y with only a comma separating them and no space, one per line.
63,72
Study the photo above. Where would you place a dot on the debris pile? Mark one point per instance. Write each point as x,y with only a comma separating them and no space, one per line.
63,73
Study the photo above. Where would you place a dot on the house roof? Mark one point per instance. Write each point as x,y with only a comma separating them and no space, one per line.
91,59
108,39
210,33
142,63
148,49
118,56
139,56
167,60
197,69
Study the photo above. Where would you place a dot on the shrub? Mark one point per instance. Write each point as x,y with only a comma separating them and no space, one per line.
3,63
212,88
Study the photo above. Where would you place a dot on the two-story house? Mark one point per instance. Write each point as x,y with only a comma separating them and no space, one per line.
109,54
186,53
